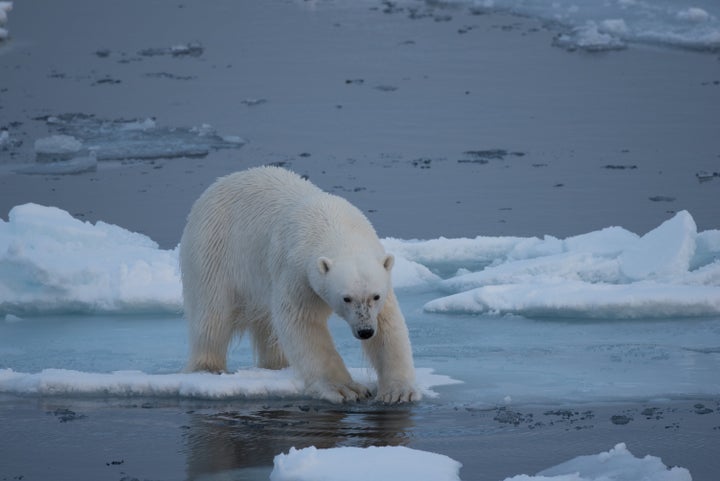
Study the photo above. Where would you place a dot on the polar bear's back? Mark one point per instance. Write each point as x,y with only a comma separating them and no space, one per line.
258,221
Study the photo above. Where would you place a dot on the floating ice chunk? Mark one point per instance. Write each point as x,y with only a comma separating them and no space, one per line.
147,124
607,241
192,49
5,7
406,273
577,299
57,145
11,319
707,249
534,247
452,251
693,14
614,26
77,165
405,464
591,38
141,139
52,262
234,139
360,464
552,268
252,102
618,464
664,252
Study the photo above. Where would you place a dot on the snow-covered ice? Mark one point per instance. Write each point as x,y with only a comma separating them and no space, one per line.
611,273
618,464
5,7
401,464
609,25
360,464
58,145
121,139
247,383
75,165
52,262
637,315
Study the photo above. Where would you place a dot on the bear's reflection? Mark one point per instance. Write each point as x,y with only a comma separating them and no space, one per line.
218,441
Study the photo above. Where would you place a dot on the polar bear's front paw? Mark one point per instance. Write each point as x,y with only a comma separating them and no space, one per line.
398,394
339,392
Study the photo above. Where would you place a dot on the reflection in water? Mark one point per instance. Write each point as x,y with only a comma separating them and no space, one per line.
228,440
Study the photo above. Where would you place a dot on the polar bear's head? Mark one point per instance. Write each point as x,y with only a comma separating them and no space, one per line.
355,289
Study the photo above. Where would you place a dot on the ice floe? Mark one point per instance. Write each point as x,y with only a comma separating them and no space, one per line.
404,464
249,383
122,139
672,271
610,25
5,7
52,262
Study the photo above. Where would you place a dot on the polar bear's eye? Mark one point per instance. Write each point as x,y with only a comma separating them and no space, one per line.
347,299
376,297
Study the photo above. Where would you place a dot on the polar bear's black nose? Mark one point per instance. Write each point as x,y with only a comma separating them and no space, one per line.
366,333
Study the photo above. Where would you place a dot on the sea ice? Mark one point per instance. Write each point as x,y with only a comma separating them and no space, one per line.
52,262
5,7
361,464
140,138
610,25
592,37
75,165
245,383
62,146
663,253
618,464
404,464
693,14
610,273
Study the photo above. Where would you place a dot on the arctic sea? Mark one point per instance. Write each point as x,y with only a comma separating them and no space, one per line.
93,311
546,174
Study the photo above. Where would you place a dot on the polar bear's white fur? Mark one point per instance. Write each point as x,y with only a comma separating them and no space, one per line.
266,252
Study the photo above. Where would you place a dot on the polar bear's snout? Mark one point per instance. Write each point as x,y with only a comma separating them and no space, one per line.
364,333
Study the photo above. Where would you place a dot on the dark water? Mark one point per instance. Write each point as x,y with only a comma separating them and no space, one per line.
65,439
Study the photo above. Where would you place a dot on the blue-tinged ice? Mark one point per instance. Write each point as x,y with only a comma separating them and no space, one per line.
52,262
609,25
404,464
122,139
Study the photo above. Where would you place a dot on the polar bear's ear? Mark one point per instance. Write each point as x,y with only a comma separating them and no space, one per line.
324,265
388,262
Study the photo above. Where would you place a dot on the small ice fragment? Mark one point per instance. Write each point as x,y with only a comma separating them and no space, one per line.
76,165
147,124
58,145
353,463
614,26
589,37
193,49
234,139
694,15
11,318
5,7
664,252
253,102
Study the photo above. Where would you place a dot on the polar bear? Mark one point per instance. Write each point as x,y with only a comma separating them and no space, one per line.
266,251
